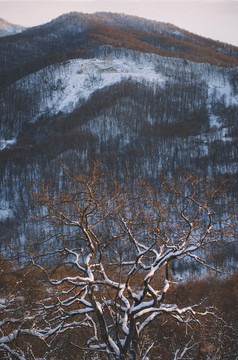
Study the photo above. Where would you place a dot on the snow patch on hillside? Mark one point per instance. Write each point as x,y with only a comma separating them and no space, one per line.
222,89
5,214
66,86
6,143
72,83
214,121
218,135
10,29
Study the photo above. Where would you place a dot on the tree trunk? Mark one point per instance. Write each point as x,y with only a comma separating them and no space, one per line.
131,349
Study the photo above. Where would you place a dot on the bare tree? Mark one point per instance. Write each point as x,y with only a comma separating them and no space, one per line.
22,325
15,322
112,249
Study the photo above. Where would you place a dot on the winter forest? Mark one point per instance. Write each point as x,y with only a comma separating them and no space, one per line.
118,183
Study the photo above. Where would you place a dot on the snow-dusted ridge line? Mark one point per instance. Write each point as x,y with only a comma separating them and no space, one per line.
7,28
12,29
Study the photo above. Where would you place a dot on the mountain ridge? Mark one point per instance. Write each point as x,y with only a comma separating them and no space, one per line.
8,29
75,35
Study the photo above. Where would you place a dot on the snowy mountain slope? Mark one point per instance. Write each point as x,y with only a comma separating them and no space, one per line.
71,84
64,87
7,28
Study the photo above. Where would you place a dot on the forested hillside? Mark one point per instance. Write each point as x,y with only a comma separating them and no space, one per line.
136,112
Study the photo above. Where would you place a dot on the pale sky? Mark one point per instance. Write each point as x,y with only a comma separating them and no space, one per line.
211,18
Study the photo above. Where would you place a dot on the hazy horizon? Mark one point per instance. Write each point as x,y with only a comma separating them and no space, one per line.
213,19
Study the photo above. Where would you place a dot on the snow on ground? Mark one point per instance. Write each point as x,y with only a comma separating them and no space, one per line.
5,214
9,29
86,76
6,143
12,29
72,83
219,134
214,121
222,89
66,86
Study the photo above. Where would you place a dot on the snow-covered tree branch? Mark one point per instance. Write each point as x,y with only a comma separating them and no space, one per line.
113,252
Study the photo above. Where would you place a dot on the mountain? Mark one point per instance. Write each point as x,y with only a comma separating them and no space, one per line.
7,28
141,96
76,35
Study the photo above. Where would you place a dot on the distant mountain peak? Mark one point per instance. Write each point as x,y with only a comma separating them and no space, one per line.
80,35
7,28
